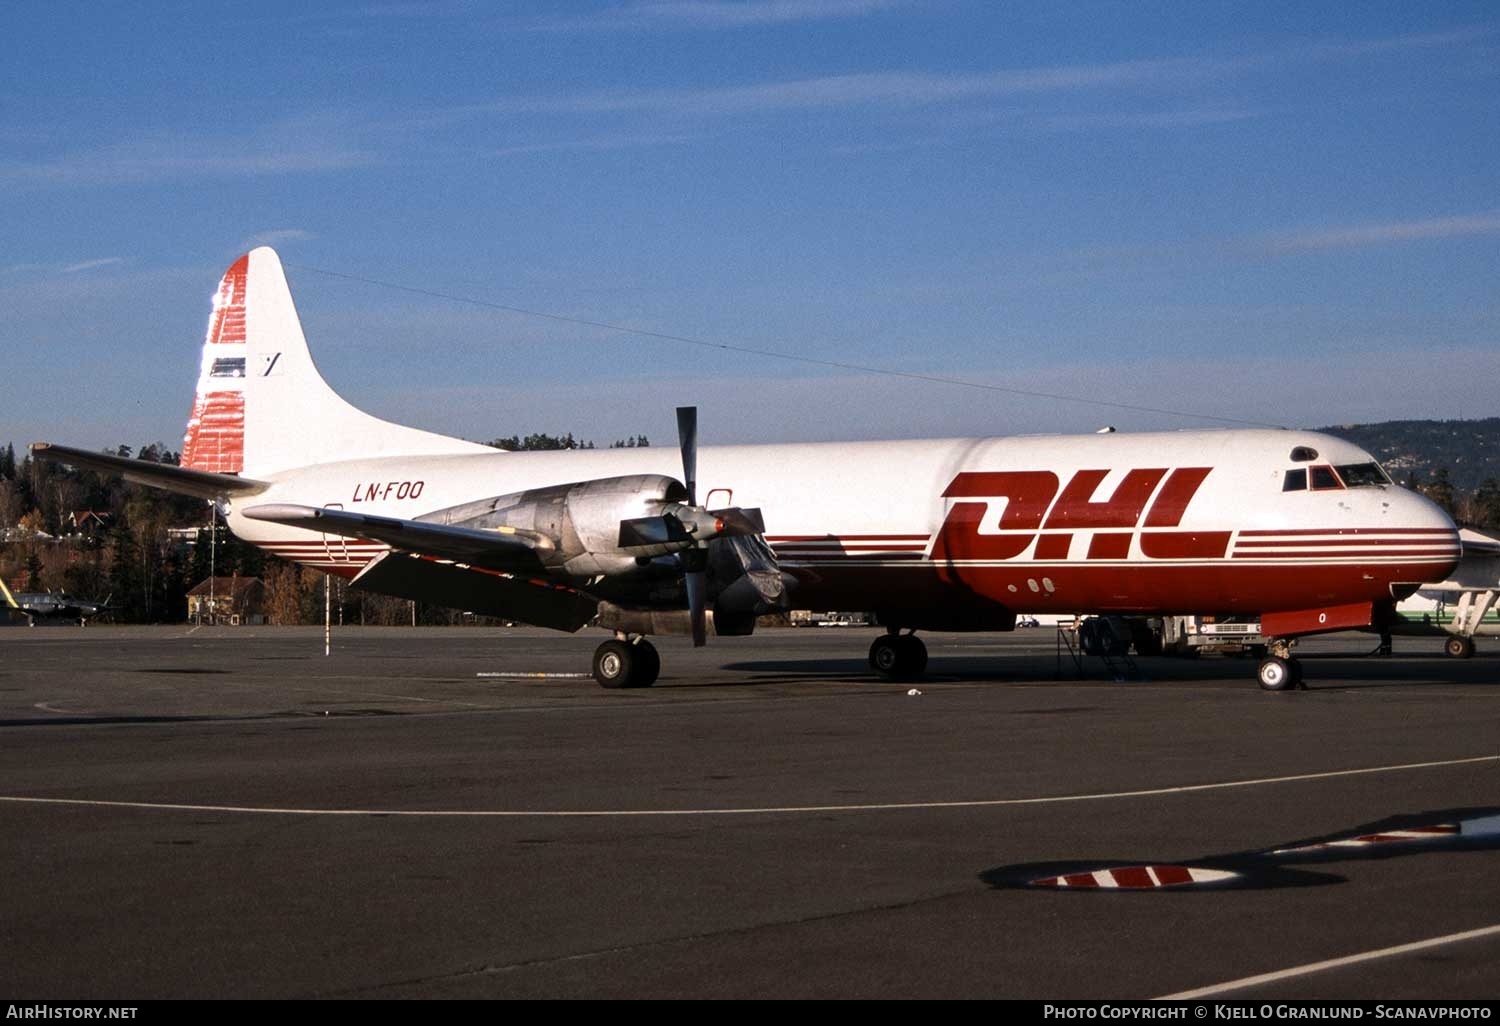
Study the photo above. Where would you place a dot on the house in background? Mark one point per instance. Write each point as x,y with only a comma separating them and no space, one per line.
228,600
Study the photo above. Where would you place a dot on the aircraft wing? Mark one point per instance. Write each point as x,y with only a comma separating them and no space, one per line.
505,549
490,592
201,483
1476,543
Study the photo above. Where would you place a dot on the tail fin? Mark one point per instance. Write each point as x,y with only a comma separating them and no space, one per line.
262,406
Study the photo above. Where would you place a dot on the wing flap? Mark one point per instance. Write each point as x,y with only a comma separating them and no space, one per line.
505,549
489,592
202,483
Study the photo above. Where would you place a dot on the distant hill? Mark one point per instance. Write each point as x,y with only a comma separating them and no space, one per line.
1413,449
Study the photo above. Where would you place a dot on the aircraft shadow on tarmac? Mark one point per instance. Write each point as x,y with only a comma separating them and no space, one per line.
1322,669
1400,836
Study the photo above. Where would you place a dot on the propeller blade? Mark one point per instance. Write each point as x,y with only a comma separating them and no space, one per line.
697,596
687,440
648,532
737,521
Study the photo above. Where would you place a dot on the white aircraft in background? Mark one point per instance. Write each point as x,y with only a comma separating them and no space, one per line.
1302,529
1464,604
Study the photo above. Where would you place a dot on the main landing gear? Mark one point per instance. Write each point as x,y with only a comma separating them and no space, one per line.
1280,671
1459,647
897,656
625,663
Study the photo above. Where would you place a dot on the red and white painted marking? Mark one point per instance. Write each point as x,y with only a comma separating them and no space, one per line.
1414,834
1134,878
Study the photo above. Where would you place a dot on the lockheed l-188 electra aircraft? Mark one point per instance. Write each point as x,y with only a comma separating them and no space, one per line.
1305,530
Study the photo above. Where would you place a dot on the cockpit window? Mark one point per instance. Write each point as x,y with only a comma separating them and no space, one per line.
1295,480
1324,478
1304,454
1362,475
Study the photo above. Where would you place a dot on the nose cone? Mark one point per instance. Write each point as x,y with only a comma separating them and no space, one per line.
1434,548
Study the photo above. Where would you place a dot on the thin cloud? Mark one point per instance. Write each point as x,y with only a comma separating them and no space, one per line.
919,88
1167,120
603,143
303,146
1357,236
89,265
713,14
872,88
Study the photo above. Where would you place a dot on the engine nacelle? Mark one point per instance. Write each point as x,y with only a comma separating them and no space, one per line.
581,519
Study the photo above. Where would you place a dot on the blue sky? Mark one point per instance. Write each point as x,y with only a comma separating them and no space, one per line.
1274,212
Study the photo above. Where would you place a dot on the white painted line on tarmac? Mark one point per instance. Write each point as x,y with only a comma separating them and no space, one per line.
535,676
1332,963
751,811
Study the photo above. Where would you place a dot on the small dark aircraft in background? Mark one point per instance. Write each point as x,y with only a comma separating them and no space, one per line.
50,606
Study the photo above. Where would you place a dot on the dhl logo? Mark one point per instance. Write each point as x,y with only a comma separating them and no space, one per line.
1001,514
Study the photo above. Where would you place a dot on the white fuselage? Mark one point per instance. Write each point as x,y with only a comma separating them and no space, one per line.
1171,522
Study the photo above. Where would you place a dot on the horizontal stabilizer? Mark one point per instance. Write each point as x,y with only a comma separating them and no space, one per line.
202,483
501,548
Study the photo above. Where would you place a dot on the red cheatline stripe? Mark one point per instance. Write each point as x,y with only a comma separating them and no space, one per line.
326,554
846,537
824,543
803,550
1350,530
1377,554
320,546
836,554
313,544
1365,540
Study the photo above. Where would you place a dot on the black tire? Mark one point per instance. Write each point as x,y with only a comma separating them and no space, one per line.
913,656
1088,637
1459,647
1276,674
614,663
647,666
885,655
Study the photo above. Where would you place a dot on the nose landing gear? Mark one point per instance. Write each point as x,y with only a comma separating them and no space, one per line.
1282,671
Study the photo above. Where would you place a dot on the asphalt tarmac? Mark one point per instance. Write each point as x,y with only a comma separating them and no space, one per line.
463,813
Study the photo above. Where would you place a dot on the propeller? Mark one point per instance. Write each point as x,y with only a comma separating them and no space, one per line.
695,559
687,441
685,528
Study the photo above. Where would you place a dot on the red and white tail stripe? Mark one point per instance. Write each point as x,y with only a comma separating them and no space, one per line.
1136,878
215,439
